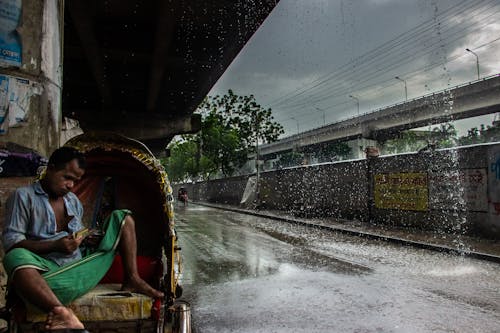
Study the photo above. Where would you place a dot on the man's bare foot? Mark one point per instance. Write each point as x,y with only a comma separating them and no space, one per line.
140,286
60,318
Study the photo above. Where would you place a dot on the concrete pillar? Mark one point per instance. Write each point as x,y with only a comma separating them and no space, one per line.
358,146
38,77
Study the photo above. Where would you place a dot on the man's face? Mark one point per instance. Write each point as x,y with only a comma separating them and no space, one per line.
60,182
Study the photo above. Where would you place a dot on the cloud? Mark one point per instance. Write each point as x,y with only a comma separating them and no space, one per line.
314,54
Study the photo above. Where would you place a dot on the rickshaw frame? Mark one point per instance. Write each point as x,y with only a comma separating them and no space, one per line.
101,149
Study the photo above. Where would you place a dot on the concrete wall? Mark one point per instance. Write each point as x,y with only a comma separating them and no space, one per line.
450,205
226,191
318,189
453,190
40,30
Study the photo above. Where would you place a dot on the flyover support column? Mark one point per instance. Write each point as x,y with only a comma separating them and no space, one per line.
359,146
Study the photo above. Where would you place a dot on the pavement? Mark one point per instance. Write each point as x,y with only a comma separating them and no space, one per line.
469,246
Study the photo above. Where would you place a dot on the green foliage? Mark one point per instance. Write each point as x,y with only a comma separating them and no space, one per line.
243,114
221,145
444,136
480,135
184,163
407,141
231,127
332,152
289,159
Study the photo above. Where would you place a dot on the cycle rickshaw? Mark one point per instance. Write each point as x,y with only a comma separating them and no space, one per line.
124,172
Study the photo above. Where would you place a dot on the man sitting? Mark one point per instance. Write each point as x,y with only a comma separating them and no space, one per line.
43,259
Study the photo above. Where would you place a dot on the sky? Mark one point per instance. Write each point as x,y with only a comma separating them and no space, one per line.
310,56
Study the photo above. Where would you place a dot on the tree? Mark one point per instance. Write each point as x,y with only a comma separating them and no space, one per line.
231,128
407,141
333,152
222,145
443,136
186,162
485,133
183,164
289,159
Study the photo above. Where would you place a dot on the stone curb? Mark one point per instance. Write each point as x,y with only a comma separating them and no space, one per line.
354,232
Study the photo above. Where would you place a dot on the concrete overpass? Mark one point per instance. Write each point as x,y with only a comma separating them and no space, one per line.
134,67
464,101
140,68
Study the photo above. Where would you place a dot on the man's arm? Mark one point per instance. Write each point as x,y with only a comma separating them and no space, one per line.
16,220
66,244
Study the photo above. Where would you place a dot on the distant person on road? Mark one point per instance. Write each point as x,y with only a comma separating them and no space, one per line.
182,196
42,237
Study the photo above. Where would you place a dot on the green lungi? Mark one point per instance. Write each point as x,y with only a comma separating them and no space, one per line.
73,280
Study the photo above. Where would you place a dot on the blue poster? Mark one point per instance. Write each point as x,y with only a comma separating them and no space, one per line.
10,43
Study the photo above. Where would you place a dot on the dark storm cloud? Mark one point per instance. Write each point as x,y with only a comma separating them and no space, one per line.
314,54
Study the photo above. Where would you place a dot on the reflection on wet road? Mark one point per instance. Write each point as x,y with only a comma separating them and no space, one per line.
248,274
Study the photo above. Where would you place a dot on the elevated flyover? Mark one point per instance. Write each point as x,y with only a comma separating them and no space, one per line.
140,68
468,100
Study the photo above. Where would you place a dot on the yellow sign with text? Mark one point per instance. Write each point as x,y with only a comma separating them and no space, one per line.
405,191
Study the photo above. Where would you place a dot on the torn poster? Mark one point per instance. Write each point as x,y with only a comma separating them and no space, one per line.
15,97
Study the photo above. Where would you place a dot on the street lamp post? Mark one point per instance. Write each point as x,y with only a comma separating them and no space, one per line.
324,121
359,120
357,102
406,89
257,171
477,60
297,123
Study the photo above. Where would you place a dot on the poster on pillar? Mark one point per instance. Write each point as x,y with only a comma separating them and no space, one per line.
10,42
15,97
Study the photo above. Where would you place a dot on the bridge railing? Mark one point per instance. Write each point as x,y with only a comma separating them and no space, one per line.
305,133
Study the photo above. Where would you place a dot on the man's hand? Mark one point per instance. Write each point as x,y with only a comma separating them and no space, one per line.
67,244
93,240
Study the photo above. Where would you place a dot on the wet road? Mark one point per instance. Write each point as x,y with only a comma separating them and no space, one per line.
248,274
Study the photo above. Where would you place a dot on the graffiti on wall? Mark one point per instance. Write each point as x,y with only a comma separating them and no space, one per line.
404,191
465,189
494,185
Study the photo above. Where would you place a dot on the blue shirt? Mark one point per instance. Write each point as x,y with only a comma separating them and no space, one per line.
29,215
